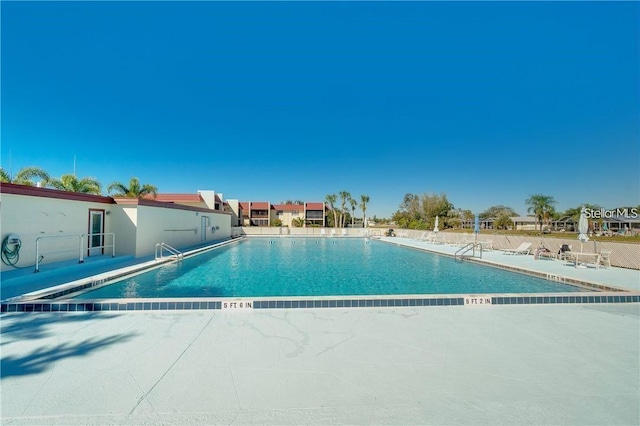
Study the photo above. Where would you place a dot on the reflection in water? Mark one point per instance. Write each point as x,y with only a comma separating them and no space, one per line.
131,288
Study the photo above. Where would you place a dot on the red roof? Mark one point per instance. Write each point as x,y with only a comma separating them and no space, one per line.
175,198
289,207
315,206
260,205
244,205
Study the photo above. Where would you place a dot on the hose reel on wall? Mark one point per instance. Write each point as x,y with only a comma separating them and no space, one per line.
11,249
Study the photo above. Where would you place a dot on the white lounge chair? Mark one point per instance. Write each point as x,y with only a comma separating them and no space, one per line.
524,248
605,258
424,236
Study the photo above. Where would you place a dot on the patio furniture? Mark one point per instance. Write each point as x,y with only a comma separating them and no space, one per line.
562,254
547,255
605,258
524,248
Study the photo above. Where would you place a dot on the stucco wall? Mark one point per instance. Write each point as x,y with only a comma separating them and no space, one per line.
32,217
123,221
176,227
138,225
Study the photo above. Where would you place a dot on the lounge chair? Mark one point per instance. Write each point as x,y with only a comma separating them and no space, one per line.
565,252
424,236
524,248
605,258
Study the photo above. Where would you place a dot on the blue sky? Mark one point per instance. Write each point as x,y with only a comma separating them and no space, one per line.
488,102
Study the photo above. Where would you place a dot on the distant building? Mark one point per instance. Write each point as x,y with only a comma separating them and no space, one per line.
524,223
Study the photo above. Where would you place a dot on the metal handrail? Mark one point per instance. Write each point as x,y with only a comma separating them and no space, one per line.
175,252
112,245
81,246
459,255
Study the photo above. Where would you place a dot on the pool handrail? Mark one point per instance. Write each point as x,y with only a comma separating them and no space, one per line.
175,252
81,247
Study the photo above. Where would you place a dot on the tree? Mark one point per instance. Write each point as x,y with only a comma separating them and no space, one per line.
354,204
411,205
456,217
4,176
542,207
276,223
574,213
503,221
420,212
435,205
87,185
295,202
25,176
297,222
344,196
364,199
496,211
331,199
134,190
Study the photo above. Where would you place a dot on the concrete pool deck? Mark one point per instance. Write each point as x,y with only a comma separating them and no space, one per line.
535,364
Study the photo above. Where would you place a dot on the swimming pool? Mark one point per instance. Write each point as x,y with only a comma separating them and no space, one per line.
263,267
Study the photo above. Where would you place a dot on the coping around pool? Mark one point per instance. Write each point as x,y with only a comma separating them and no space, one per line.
238,305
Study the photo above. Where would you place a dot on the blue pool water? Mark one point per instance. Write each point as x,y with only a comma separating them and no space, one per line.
320,267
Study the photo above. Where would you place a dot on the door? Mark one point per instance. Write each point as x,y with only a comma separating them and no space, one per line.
204,222
95,238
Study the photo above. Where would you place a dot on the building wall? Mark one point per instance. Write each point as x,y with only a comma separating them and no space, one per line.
124,220
176,225
288,216
34,217
209,199
526,226
234,207
56,219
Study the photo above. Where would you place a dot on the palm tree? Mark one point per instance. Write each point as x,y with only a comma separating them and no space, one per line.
331,199
363,205
134,190
25,176
297,222
354,204
542,206
4,176
344,196
71,183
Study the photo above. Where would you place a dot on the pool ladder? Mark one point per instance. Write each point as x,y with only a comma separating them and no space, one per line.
162,247
471,247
